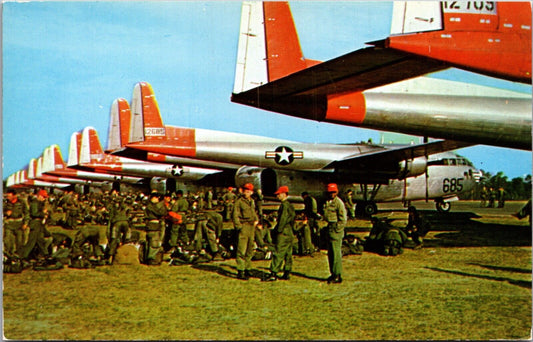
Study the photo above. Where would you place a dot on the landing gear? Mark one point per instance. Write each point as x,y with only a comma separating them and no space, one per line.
366,209
443,207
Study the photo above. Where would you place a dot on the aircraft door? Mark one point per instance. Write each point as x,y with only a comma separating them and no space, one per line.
170,185
269,182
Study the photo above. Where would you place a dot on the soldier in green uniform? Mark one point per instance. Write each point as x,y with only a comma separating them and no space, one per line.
417,226
312,216
72,209
285,237
154,213
350,205
38,214
178,230
15,221
120,230
335,216
245,219
229,203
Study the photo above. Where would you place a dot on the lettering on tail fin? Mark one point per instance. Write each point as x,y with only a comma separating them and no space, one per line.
57,158
91,150
416,16
146,122
74,149
119,125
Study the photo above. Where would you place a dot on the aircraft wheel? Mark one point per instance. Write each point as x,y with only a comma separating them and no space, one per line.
370,209
443,207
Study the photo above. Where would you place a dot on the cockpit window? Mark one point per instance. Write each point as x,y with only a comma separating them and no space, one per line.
451,161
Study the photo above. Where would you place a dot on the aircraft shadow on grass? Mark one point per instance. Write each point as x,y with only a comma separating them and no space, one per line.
521,283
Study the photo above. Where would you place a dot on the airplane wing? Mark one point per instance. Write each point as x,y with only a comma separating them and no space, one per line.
356,71
396,154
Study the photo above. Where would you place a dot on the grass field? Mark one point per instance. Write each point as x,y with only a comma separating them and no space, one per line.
472,280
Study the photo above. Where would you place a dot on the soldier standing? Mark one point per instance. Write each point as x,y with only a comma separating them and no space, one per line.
229,202
335,216
492,197
15,222
209,199
484,196
154,213
38,214
285,237
312,216
245,219
350,205
72,210
120,231
178,231
501,197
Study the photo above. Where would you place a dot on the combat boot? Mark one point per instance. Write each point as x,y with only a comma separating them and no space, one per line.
241,275
271,277
337,280
286,276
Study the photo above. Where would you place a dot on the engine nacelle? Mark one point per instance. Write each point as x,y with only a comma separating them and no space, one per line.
412,167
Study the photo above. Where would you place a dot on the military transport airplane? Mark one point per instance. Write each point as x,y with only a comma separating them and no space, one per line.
20,179
380,172
35,172
359,89
54,165
93,158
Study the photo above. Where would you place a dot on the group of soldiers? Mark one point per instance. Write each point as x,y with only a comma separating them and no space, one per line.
490,196
159,225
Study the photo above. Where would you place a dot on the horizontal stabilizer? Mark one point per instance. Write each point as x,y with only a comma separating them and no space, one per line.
354,72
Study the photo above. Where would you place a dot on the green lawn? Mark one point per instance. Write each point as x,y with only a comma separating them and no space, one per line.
471,281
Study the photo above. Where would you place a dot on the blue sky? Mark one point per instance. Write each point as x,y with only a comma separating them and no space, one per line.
65,62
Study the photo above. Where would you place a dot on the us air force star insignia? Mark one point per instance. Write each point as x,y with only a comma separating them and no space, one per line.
284,155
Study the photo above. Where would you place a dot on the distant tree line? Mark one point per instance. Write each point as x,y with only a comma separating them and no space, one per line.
515,189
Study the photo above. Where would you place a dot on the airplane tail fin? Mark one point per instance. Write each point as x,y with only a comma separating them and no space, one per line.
146,122
416,16
91,149
53,160
39,167
10,182
119,125
74,149
269,47
32,166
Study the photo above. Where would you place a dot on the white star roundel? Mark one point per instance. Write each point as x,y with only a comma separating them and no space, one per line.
283,155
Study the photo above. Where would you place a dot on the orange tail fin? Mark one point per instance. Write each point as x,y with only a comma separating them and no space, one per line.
91,149
269,47
146,122
119,125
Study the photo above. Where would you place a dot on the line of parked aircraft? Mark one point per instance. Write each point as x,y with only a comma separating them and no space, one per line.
272,74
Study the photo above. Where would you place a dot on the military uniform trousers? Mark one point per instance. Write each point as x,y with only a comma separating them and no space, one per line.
178,232
37,237
120,232
13,236
245,246
282,253
201,229
153,239
335,249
